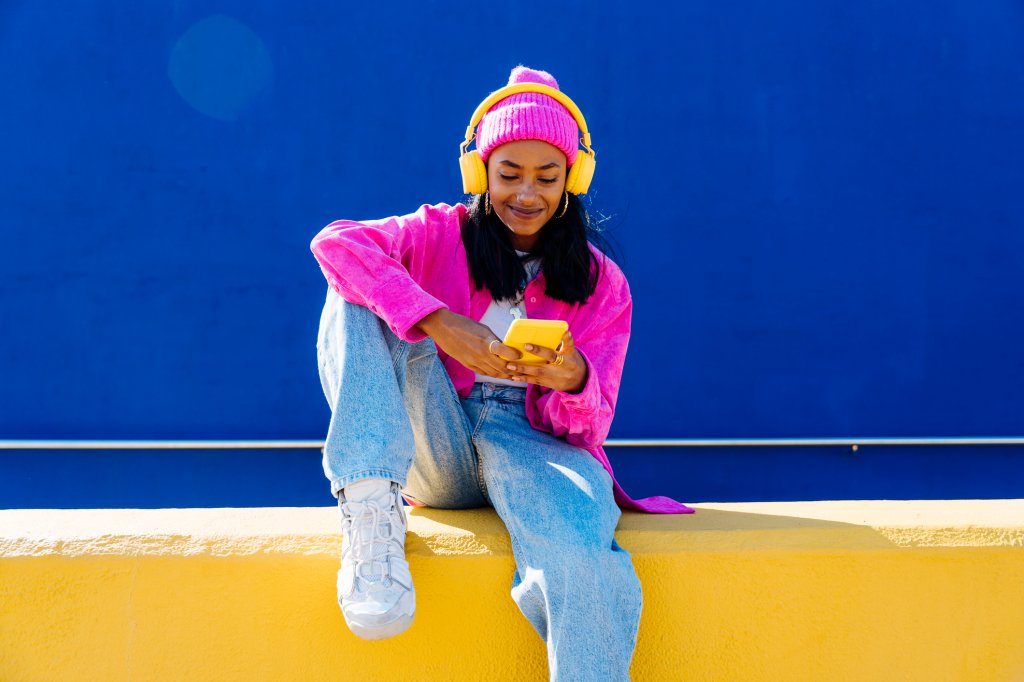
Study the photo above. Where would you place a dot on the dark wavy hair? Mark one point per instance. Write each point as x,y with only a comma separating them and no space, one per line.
571,270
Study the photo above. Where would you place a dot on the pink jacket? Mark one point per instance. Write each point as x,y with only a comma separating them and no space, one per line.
405,267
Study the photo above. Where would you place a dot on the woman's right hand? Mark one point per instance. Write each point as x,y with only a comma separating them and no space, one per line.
471,343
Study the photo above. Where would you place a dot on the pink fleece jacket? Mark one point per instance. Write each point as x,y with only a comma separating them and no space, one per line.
405,267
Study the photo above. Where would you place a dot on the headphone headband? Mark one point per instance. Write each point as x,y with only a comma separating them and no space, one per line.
517,88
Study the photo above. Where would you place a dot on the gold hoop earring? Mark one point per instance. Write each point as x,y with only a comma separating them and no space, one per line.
487,203
564,208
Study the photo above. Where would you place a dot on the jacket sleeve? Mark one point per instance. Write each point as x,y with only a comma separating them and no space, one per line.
601,335
379,263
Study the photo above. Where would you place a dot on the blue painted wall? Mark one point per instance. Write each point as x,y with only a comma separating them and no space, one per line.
818,206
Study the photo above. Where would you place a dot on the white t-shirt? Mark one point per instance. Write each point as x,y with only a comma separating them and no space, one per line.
498,317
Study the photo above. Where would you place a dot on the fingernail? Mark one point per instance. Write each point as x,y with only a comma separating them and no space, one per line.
528,347
510,366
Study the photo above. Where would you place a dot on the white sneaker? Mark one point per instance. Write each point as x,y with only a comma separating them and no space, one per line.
374,584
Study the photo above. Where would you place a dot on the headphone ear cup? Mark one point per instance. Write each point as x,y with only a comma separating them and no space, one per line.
580,174
474,173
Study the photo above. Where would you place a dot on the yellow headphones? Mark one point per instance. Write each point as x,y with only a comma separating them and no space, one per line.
474,172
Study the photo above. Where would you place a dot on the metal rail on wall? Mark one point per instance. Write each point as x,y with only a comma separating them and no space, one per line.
853,443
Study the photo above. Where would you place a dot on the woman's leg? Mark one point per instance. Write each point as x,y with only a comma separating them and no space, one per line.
392,407
573,582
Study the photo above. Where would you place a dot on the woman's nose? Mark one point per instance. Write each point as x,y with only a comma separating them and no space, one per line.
527,194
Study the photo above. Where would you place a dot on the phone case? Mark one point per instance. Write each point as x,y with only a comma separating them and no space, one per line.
545,333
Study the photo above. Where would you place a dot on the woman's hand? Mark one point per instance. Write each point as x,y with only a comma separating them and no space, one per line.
471,343
565,369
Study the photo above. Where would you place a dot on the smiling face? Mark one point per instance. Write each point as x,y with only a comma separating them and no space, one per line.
526,179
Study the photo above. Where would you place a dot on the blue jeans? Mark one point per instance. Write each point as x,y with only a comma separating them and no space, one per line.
396,415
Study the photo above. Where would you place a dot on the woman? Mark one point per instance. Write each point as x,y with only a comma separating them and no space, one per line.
427,402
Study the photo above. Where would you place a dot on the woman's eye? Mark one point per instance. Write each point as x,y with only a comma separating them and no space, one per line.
506,177
548,181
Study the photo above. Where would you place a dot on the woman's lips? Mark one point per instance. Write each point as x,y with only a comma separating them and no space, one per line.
526,214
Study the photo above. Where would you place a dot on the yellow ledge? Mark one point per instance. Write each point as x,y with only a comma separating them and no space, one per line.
824,591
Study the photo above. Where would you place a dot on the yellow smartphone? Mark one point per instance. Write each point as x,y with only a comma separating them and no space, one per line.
546,333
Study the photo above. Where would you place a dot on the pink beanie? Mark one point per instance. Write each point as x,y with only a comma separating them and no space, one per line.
529,116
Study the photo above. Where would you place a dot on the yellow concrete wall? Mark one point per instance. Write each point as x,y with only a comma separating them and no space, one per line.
823,591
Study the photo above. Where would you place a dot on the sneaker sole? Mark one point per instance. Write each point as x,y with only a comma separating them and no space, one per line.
395,627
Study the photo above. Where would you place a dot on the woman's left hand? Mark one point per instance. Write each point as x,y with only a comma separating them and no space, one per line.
564,370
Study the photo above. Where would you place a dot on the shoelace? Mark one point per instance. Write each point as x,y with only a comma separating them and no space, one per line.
371,542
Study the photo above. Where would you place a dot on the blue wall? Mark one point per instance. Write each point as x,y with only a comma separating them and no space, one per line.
818,206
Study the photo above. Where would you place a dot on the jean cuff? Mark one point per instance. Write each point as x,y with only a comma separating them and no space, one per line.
340,482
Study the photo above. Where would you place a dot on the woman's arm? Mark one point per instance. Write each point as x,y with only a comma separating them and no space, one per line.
379,263
382,265
469,342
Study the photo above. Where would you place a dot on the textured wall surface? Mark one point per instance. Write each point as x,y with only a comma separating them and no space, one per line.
841,591
815,205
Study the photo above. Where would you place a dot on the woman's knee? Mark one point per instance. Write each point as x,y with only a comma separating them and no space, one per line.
350,327
340,316
580,529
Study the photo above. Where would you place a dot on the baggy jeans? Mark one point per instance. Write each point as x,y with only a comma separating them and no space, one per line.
396,415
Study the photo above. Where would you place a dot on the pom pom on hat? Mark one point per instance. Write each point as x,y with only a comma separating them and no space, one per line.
524,74
529,116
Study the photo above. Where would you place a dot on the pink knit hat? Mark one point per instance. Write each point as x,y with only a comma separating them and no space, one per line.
529,116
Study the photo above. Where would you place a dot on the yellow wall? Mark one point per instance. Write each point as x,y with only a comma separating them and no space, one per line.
825,591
